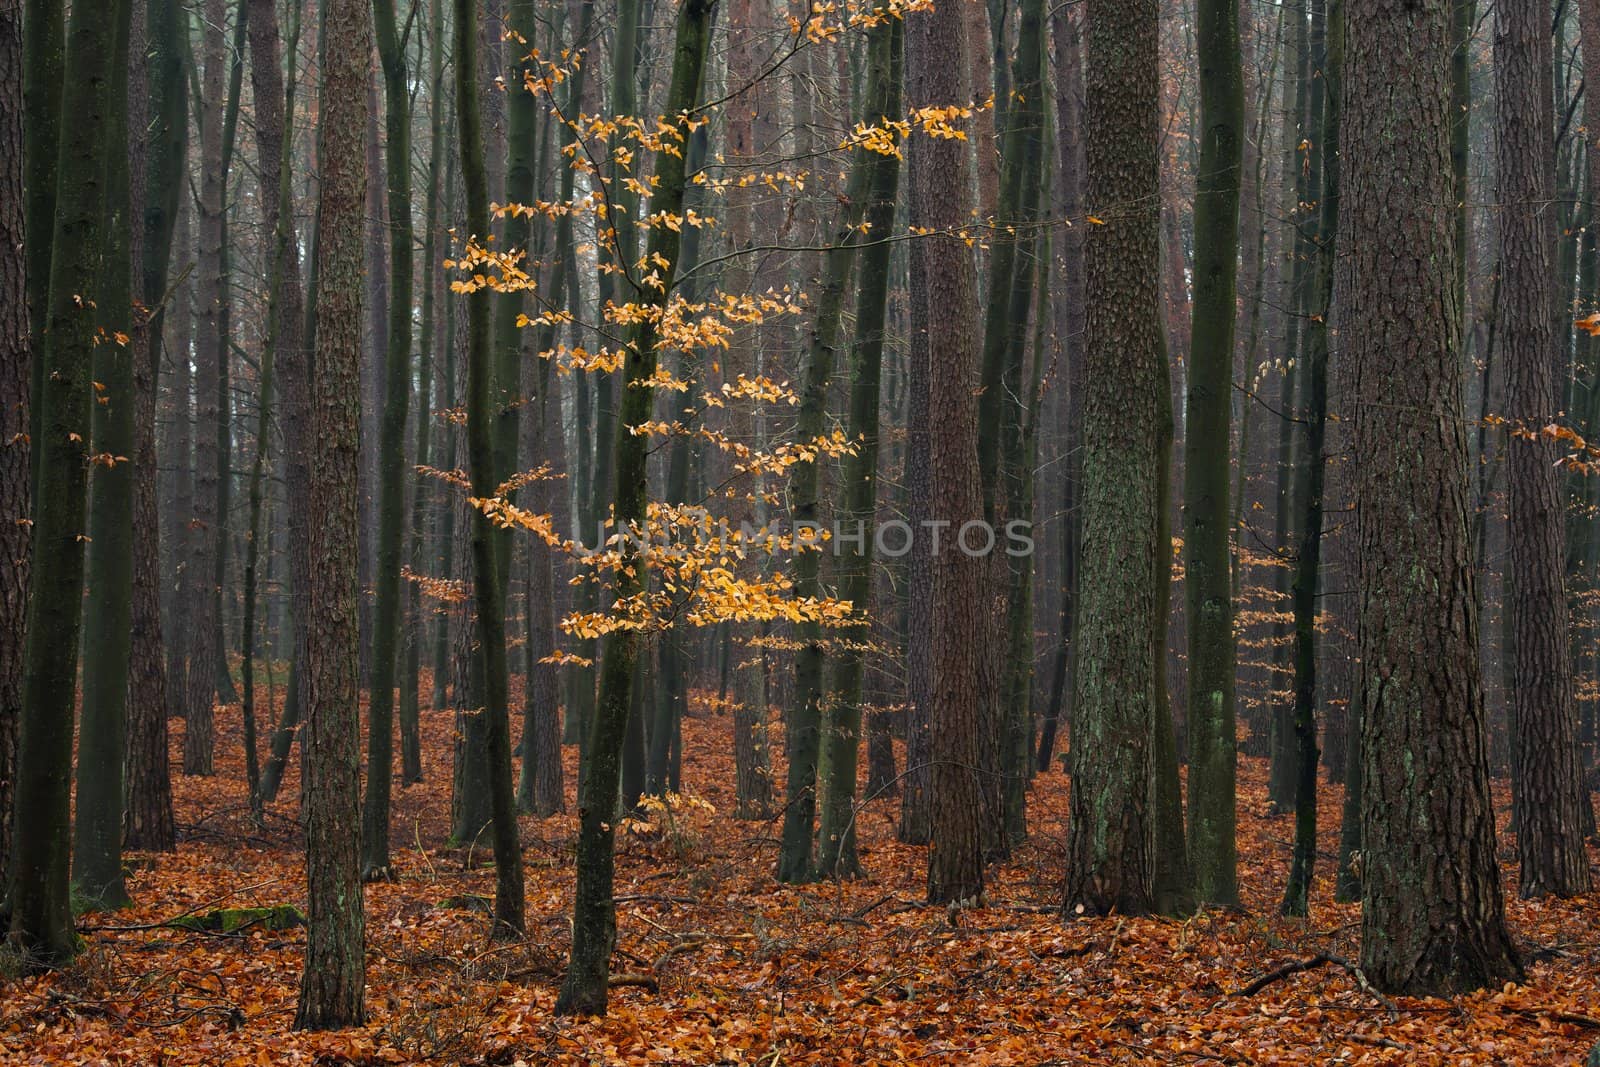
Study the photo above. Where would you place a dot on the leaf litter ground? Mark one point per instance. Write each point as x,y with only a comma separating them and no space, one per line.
719,964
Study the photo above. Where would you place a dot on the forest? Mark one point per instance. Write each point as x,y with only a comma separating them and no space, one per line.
774,532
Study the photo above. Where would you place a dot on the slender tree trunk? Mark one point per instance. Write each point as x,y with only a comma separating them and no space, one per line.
1207,459
1069,118
1327,47
1544,720
836,837
1432,915
802,735
422,495
332,986
202,615
488,591
584,990
15,388
391,450
147,817
292,357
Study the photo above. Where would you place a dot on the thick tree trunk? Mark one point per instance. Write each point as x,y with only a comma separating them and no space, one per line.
332,986
1110,865
41,913
1432,915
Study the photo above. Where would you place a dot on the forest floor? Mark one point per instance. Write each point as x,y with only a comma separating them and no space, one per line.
734,968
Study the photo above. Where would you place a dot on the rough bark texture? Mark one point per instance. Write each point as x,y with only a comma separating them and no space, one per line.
1549,799
936,71
1432,914
332,986
1110,865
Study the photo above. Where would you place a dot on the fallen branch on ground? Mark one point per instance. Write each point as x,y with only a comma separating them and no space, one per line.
1312,963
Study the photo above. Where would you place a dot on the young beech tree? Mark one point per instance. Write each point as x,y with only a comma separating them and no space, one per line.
488,591
333,984
1433,919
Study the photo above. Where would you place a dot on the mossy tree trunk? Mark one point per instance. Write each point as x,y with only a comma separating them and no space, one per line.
41,913
102,742
1208,459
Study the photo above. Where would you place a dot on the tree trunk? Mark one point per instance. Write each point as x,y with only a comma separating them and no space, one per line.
936,71
487,589
332,986
1208,458
585,988
15,387
1549,786
102,743
41,913
391,450
1432,915
1326,49
836,837
205,595
1110,839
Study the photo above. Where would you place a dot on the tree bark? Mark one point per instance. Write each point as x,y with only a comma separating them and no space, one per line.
1208,458
205,596
15,388
41,913
1432,914
1549,794
332,985
1110,865
585,988
936,73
